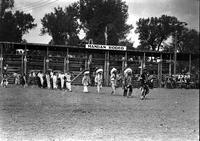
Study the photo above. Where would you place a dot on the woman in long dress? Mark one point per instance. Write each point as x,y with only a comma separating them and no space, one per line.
48,80
54,78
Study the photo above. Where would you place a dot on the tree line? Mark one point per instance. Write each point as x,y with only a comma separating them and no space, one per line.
102,21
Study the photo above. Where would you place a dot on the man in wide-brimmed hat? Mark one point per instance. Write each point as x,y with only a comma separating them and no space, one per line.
99,79
86,81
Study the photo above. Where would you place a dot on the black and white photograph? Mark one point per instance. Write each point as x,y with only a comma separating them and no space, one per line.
99,70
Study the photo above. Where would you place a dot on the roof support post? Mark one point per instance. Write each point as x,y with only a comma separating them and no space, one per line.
25,60
160,71
1,59
190,62
106,68
47,59
67,60
170,65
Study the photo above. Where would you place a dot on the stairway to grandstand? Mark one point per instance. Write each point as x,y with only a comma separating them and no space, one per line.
10,71
78,78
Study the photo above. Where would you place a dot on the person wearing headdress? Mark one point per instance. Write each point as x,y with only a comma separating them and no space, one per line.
113,79
86,81
99,79
127,82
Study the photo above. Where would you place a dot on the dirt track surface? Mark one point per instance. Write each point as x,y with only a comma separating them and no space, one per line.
34,114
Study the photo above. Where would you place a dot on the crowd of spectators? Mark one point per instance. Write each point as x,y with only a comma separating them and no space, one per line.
180,81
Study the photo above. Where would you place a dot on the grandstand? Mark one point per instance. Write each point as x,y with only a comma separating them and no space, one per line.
25,57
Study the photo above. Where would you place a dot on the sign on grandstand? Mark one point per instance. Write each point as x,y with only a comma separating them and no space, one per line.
107,47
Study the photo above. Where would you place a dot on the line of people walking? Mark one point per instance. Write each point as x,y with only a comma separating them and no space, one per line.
62,81
146,81
50,80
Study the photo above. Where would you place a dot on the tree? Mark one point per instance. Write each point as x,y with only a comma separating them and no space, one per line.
187,42
5,4
62,25
100,18
14,26
128,43
153,31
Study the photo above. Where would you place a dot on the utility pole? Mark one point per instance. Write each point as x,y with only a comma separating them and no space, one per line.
175,53
106,35
1,6
106,63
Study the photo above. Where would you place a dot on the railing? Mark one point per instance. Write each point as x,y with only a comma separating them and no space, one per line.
77,76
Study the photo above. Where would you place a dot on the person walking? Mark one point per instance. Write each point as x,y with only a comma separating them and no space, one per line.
144,84
86,81
127,82
48,80
99,79
54,78
113,79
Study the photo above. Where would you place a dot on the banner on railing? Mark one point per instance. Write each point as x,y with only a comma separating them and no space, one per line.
107,47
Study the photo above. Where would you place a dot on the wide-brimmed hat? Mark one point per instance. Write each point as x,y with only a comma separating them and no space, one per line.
99,70
87,72
113,70
128,70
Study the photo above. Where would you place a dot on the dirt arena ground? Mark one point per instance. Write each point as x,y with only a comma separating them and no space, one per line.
33,114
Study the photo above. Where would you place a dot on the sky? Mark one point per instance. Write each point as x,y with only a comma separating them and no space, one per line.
185,10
